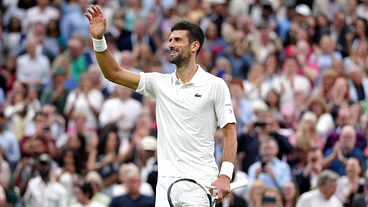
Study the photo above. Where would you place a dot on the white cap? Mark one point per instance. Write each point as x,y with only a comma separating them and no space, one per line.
303,9
259,105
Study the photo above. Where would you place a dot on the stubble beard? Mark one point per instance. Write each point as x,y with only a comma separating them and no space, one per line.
180,60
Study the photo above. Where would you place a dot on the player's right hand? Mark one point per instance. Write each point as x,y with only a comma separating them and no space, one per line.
97,22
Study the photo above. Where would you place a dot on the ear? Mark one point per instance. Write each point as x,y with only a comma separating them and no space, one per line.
194,47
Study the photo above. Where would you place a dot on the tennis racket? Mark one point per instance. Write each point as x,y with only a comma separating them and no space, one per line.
189,193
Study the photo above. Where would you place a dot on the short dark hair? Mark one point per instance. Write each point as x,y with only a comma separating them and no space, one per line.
86,188
195,33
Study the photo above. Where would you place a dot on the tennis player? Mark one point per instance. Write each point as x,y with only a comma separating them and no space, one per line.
190,103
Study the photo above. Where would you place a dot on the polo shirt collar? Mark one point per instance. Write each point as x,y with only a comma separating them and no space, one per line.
196,79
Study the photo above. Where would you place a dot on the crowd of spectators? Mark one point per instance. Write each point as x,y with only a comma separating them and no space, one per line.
297,71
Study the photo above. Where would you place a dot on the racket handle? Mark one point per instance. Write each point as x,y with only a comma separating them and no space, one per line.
239,184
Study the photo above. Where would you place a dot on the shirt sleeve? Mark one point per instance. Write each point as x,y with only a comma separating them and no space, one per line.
223,105
146,84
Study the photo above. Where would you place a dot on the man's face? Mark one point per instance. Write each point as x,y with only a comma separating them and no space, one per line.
290,66
179,47
268,151
347,140
133,184
329,189
44,169
339,21
79,195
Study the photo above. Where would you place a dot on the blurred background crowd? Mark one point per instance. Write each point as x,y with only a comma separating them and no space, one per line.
297,72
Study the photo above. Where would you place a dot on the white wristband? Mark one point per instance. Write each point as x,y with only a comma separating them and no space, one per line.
227,168
99,45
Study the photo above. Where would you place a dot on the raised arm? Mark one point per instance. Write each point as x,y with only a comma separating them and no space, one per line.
107,63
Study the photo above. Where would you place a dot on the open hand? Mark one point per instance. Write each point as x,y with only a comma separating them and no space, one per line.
97,23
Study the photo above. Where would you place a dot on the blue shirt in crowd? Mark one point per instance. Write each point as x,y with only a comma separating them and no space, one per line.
127,201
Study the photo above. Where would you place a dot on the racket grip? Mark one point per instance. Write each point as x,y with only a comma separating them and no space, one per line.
239,184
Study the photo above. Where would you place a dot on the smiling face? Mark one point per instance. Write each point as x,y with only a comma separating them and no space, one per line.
179,47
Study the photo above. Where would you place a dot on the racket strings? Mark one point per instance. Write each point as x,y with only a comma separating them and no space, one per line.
189,194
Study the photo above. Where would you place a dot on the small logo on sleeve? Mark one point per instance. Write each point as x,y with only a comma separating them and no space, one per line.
197,95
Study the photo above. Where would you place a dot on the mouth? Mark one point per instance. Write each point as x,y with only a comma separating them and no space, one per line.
173,52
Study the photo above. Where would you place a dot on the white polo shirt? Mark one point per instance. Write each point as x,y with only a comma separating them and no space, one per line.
187,116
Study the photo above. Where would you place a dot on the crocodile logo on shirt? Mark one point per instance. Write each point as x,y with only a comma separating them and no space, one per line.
197,95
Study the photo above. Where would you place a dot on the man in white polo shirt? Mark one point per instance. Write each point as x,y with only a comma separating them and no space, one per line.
190,103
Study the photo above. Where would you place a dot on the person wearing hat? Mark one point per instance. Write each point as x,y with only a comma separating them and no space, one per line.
148,156
56,95
42,191
360,200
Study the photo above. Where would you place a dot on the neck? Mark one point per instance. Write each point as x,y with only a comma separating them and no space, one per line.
45,179
186,70
353,178
134,196
289,204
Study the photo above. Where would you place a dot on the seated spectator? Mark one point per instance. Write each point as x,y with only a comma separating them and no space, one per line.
359,32
339,95
351,183
148,157
42,190
57,94
359,199
271,197
255,86
307,131
289,81
122,110
343,119
134,197
55,121
84,192
104,156
138,36
325,122
290,194
84,99
9,147
324,194
75,22
293,111
98,185
324,56
272,171
142,57
213,42
337,156
250,141
33,68
80,127
306,177
358,86
43,133
357,57
122,189
256,193
78,62
328,80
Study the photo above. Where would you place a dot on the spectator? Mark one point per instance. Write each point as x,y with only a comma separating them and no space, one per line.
133,198
78,62
306,177
8,72
255,193
361,10
250,141
351,15
328,80
324,195
290,194
122,110
360,33
33,68
336,157
13,36
9,147
271,197
98,185
357,57
358,86
42,190
41,13
359,199
142,57
76,23
57,94
329,8
343,119
84,193
214,42
352,183
255,86
273,172
137,37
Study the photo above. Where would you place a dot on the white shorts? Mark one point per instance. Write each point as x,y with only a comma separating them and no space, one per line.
163,184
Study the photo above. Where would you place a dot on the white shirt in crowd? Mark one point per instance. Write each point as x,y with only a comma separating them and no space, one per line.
315,198
187,116
253,92
35,14
30,70
39,194
286,88
95,98
113,108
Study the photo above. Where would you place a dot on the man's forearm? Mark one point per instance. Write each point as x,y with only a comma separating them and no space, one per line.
230,143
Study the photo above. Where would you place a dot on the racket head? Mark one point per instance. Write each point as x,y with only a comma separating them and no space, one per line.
187,192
